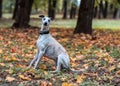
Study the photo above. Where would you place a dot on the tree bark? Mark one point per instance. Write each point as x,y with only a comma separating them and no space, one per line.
115,13
85,16
73,11
65,3
100,14
105,11
49,7
52,8
15,10
0,8
95,12
22,15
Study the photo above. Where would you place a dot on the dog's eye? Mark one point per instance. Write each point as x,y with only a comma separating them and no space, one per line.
48,20
43,18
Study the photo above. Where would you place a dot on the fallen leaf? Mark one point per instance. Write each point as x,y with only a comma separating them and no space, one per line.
23,77
118,72
2,64
43,83
10,79
42,66
66,84
80,78
111,68
1,51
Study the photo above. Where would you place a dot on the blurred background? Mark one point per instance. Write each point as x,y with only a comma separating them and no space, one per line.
106,12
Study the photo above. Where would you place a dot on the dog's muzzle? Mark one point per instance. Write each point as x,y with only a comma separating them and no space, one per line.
45,24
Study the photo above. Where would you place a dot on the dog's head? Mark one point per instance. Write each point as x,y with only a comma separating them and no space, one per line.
45,20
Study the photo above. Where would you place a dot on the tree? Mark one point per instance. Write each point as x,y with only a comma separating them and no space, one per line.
85,16
0,8
22,14
15,10
105,11
100,9
115,13
52,8
65,4
73,8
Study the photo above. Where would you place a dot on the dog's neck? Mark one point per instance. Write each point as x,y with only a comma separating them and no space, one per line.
44,30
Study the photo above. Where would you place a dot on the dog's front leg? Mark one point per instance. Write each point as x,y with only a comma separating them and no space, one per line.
40,54
34,59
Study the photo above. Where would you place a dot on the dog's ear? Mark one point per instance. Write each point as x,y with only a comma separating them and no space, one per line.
41,16
51,18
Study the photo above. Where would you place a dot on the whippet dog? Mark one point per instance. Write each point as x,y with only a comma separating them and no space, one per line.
49,47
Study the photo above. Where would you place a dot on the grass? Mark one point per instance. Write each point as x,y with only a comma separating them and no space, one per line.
106,24
97,23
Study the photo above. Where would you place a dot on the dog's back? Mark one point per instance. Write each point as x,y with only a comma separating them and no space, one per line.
53,48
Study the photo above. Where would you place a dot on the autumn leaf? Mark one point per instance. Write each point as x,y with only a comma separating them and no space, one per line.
80,78
66,84
118,72
2,64
13,58
111,68
23,77
1,51
42,66
43,83
10,79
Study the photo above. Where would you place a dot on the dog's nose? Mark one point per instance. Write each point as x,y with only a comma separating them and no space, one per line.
45,23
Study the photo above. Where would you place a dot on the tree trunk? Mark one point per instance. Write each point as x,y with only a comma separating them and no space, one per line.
85,16
65,3
49,7
119,1
95,12
22,14
15,10
100,9
73,11
52,8
115,13
0,8
105,11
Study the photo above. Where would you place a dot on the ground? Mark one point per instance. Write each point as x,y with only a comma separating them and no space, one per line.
100,53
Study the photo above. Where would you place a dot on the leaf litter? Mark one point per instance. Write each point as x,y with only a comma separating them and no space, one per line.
99,52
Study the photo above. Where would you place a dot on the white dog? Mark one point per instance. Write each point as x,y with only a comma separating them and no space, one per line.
49,47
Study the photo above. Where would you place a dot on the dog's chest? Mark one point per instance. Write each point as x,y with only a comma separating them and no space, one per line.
42,41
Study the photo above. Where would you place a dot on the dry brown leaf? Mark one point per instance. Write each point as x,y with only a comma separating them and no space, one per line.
80,78
118,72
1,51
111,68
66,84
10,79
43,83
42,66
23,77
2,64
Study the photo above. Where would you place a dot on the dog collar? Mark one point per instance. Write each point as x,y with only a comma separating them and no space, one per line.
44,32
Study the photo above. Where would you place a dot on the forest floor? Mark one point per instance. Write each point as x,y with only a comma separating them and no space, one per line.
99,52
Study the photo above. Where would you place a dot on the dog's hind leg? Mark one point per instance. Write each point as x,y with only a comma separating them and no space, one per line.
59,63
34,59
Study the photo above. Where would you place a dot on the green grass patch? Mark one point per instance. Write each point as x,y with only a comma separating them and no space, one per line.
106,24
68,23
